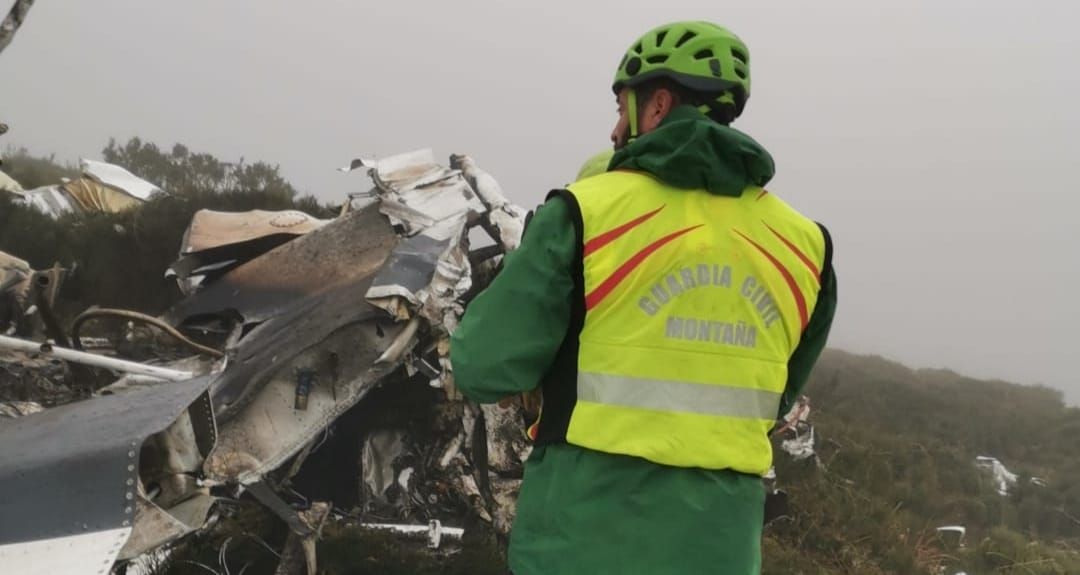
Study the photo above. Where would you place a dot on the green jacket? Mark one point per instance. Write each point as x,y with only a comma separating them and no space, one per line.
582,511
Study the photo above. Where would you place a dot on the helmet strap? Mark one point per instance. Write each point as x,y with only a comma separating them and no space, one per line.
632,112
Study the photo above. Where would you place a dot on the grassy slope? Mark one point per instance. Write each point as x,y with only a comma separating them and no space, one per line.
897,448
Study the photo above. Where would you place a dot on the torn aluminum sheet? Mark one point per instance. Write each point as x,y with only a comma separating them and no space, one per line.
429,270
211,229
301,272
116,177
68,526
415,192
505,222
216,242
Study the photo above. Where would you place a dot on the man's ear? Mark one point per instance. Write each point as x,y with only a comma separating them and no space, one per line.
657,108
665,101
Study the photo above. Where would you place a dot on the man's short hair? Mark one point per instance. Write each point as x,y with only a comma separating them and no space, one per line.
723,114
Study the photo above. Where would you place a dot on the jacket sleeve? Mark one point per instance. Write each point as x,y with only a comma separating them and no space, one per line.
512,331
813,340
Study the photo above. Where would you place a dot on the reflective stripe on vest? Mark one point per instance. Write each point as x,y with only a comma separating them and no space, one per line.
694,304
677,396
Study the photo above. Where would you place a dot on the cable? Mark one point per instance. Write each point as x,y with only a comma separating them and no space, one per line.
95,313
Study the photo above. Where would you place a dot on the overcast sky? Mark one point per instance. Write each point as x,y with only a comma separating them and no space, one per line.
938,140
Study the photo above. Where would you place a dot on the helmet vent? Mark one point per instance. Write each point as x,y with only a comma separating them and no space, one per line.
704,54
660,38
637,48
740,56
686,37
740,73
658,59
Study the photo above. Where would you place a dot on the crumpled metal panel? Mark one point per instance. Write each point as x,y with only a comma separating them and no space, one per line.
416,192
305,302
156,526
212,229
409,270
297,274
429,270
505,222
435,206
101,442
116,177
217,242
264,427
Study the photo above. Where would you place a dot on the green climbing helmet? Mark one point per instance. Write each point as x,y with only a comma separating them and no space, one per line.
597,164
700,56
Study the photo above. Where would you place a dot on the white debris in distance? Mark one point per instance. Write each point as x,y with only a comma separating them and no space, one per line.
116,177
1002,476
960,531
800,447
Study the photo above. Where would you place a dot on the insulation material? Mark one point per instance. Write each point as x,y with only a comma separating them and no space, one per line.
800,447
88,195
49,200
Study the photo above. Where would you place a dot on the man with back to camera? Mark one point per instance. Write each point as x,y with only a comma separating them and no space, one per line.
669,309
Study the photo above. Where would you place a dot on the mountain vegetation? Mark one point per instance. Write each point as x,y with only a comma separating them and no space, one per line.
896,452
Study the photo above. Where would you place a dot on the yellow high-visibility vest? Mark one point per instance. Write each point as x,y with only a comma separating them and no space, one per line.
693,305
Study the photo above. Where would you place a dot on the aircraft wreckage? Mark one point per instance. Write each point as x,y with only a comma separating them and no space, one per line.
298,320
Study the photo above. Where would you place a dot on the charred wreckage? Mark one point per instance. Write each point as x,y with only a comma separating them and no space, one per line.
298,321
